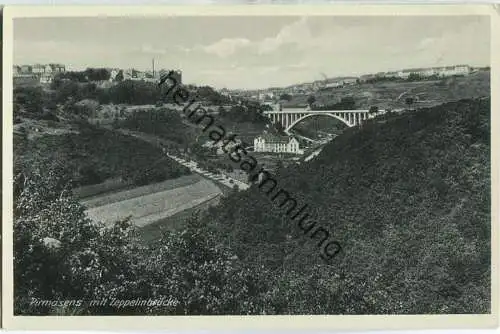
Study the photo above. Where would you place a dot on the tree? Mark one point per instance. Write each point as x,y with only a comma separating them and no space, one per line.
202,274
134,92
266,107
97,74
348,103
68,90
279,128
247,113
119,76
373,110
409,101
414,77
221,111
286,97
279,167
59,253
77,76
311,99
31,98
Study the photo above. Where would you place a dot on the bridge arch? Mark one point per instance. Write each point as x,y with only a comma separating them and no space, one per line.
297,121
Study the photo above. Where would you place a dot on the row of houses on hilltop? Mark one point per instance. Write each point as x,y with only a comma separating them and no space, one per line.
341,82
442,71
42,73
133,74
45,74
312,87
38,69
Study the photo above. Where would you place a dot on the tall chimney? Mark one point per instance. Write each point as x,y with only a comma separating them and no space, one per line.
153,67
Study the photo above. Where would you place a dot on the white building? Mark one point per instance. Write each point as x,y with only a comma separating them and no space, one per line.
38,69
462,69
113,73
444,71
335,84
128,74
276,144
349,81
46,78
268,96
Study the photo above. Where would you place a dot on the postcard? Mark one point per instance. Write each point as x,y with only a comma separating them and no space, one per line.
250,167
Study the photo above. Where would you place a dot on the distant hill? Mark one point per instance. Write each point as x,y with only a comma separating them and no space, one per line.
408,198
387,94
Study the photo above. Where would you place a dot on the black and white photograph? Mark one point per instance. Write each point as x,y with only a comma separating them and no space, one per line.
250,165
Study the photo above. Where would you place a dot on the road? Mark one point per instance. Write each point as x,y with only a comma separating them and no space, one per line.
221,178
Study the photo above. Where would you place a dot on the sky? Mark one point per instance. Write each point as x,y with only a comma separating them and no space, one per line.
252,52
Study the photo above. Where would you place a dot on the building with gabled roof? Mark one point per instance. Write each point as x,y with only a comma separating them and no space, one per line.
38,69
58,68
277,144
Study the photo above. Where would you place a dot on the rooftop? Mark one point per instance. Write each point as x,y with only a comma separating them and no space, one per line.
275,139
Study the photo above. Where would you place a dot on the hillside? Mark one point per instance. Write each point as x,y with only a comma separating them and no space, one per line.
406,196
92,155
408,199
392,94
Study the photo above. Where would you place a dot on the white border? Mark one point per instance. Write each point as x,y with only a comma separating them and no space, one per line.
225,323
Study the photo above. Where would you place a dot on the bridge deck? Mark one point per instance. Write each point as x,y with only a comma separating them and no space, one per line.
314,111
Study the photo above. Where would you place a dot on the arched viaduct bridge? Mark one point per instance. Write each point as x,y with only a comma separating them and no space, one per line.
289,118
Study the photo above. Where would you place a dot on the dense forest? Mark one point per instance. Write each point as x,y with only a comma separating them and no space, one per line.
162,123
184,134
408,198
35,99
346,103
94,154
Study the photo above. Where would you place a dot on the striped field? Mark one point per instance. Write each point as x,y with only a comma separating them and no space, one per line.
146,208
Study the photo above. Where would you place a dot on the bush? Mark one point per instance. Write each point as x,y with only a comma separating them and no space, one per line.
96,154
59,254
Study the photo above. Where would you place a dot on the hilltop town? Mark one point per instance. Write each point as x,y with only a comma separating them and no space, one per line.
104,77
377,93
334,84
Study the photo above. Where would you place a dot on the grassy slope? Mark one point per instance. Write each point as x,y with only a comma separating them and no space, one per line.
408,199
151,207
114,197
